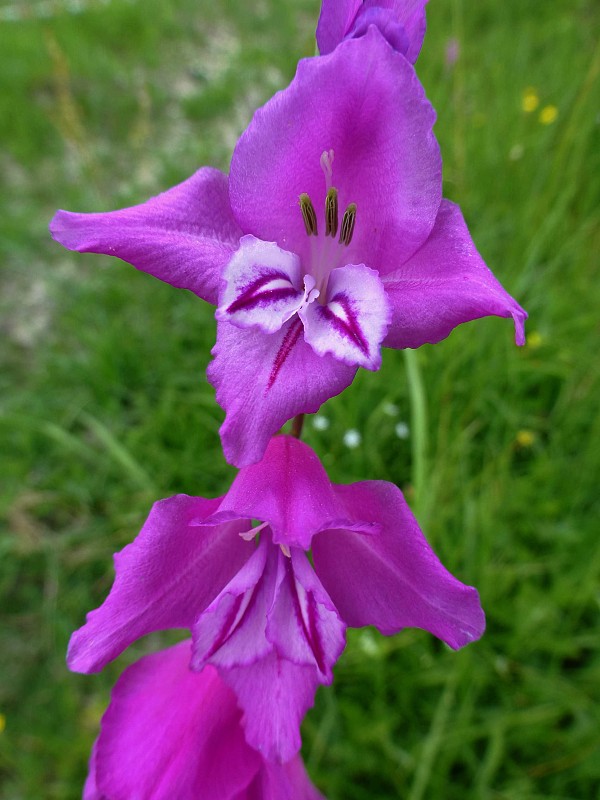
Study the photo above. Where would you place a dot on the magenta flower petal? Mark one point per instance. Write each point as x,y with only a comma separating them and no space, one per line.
353,322
443,285
287,781
316,161
401,22
364,103
412,15
274,694
231,631
263,381
387,24
264,286
393,580
273,617
259,614
90,790
164,579
290,490
335,22
303,624
172,733
184,236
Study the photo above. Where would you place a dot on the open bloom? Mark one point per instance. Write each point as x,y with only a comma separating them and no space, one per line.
235,572
401,22
330,239
173,734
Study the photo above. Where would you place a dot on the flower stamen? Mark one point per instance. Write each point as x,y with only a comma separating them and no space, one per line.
250,534
348,221
285,550
331,213
308,215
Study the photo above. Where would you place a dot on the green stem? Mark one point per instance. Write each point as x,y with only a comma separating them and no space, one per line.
418,424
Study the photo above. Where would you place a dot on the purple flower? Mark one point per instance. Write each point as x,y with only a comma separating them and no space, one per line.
401,22
452,53
235,572
173,734
330,239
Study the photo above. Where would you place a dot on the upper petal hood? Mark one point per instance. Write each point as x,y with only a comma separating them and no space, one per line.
290,490
364,102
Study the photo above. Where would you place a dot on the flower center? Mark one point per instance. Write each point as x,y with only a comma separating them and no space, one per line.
309,215
326,252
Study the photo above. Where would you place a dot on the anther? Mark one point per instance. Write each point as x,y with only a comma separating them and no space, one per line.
348,221
331,212
308,214
285,550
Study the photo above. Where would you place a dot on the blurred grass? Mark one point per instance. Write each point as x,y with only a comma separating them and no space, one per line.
104,404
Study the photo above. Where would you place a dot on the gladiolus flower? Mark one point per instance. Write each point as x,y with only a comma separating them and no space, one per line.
173,734
401,22
235,572
329,240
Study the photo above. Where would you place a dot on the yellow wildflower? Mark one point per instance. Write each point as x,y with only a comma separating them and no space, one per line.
525,438
530,100
535,340
548,114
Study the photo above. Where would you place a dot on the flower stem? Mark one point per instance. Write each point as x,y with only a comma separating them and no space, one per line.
297,424
418,424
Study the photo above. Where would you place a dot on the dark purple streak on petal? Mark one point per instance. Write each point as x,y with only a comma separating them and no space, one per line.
255,295
228,625
289,340
349,328
308,624
262,383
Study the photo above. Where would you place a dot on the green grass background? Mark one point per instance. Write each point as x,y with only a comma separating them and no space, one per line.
104,406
